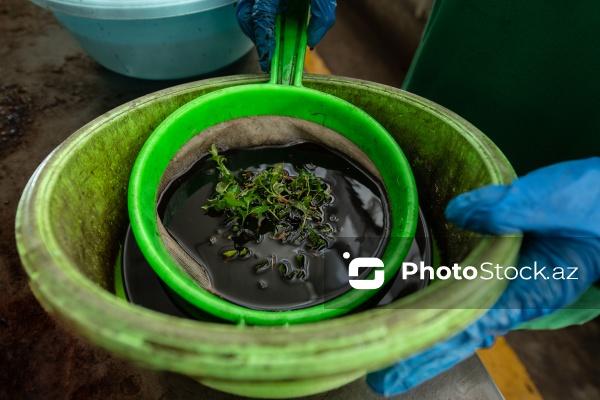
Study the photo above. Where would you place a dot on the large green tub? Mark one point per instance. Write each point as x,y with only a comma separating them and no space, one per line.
73,215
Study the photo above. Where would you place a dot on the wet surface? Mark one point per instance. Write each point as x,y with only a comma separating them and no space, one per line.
290,260
15,106
142,286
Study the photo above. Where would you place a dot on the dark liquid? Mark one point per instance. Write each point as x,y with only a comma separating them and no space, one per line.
268,277
143,287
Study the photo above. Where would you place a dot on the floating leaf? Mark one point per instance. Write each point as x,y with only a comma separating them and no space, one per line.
258,210
261,267
232,200
293,204
229,254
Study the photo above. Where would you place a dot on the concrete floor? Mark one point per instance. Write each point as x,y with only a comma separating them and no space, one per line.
54,89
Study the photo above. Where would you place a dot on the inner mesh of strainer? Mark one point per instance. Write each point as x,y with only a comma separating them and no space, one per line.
245,133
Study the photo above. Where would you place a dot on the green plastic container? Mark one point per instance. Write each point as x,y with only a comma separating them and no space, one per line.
73,214
284,96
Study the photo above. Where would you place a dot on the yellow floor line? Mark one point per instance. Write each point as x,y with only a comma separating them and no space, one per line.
508,372
314,64
500,360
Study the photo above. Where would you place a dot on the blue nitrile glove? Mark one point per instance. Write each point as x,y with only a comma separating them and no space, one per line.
257,20
558,210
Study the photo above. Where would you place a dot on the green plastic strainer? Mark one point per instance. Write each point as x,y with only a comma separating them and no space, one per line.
283,96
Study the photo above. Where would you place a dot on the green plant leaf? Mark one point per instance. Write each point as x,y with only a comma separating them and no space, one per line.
231,200
221,187
259,210
293,204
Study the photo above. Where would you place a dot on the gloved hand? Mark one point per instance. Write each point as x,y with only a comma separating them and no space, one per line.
558,210
257,20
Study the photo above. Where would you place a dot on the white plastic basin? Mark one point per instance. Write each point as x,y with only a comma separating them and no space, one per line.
154,39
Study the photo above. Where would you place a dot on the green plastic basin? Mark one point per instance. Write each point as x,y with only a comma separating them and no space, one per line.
282,96
256,100
73,214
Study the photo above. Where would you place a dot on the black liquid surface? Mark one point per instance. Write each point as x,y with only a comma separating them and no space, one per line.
267,277
143,287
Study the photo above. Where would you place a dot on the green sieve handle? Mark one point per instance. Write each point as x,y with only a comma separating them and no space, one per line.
287,64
